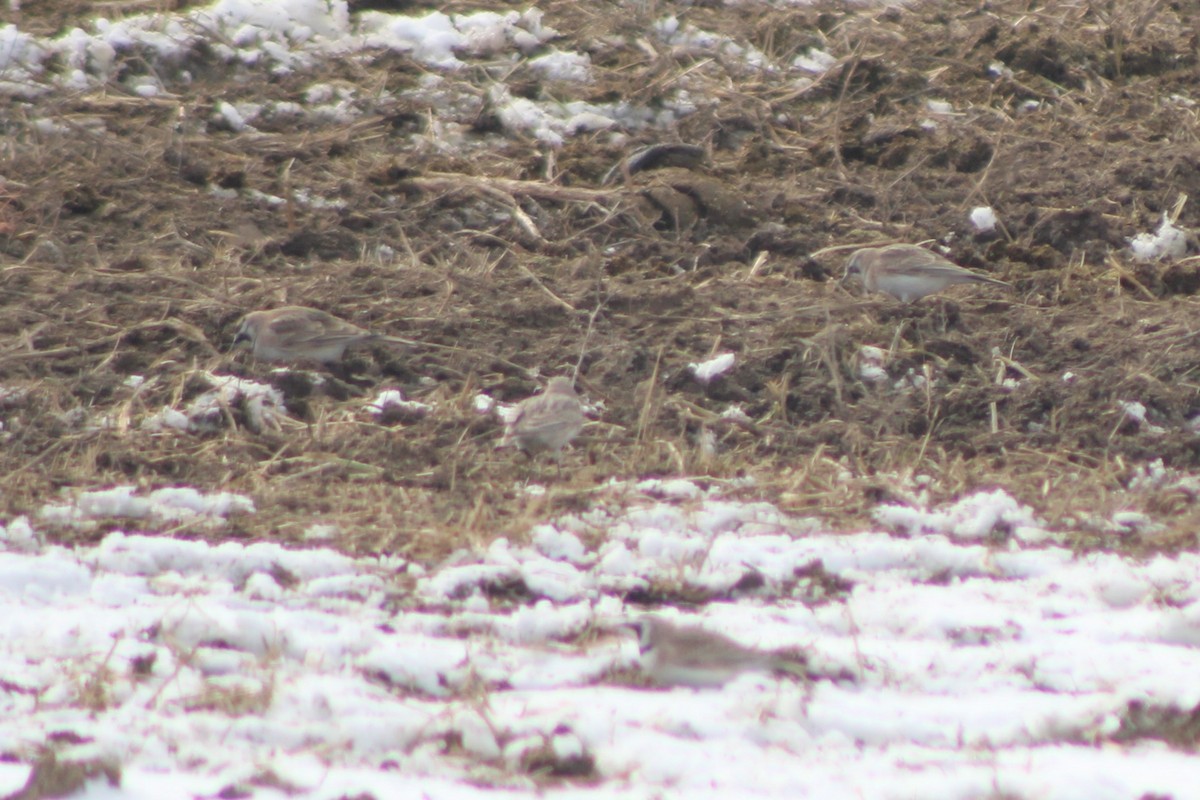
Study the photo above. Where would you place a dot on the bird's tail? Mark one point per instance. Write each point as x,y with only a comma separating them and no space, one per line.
399,341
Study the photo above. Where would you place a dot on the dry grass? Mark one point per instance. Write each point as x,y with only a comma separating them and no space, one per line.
509,260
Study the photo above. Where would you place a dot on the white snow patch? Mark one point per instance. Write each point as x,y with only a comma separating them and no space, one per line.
705,372
814,60
1166,243
392,400
207,412
686,39
973,517
174,504
232,116
871,362
984,219
436,39
998,69
1135,412
559,66
735,413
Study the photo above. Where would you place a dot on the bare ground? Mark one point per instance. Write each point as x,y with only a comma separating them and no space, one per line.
119,259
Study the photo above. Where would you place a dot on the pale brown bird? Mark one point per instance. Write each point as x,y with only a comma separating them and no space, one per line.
547,421
296,333
908,272
675,655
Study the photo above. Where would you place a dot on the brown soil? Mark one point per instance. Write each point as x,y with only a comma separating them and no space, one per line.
120,259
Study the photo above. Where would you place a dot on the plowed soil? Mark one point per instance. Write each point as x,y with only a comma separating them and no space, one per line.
1077,125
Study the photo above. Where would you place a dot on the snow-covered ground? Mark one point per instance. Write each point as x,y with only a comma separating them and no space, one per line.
972,658
279,37
961,651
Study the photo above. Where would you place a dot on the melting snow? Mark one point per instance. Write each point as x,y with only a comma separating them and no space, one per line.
983,218
963,652
708,371
954,668
282,36
1168,242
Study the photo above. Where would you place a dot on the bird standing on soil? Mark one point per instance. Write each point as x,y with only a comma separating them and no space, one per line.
908,272
675,655
548,421
296,333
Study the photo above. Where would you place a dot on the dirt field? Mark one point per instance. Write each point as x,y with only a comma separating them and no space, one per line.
120,259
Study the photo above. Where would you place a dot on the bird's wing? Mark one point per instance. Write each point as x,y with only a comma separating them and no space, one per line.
310,325
954,273
547,414
912,260
917,262
702,648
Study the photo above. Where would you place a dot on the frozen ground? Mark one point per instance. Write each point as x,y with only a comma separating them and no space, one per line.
958,652
283,36
973,658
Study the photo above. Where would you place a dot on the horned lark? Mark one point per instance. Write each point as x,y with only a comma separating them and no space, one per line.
547,421
675,655
296,333
908,272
